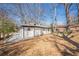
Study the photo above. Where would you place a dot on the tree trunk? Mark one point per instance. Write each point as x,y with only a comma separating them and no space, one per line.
0,36
78,13
67,15
23,33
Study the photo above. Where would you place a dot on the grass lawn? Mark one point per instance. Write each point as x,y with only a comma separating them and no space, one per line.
45,45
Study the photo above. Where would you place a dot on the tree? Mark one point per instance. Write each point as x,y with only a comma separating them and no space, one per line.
78,12
6,24
67,6
53,16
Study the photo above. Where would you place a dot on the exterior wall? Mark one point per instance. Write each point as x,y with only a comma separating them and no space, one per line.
78,28
74,28
37,31
61,29
34,32
23,34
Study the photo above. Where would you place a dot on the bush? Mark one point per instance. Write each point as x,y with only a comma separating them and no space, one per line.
67,32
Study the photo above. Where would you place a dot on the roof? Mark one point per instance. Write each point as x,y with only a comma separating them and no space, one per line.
35,26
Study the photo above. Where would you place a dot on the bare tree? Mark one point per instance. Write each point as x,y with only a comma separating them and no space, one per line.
3,16
67,6
53,16
6,24
78,12
21,13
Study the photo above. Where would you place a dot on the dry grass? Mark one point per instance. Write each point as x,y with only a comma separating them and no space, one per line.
47,45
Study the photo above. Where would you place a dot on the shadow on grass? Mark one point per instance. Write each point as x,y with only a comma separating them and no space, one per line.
71,41
67,51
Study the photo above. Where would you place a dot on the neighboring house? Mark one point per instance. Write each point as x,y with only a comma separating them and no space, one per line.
60,28
74,28
71,27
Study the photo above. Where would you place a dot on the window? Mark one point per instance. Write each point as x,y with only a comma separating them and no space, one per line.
29,29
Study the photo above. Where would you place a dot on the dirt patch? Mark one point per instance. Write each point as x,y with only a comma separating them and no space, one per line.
46,45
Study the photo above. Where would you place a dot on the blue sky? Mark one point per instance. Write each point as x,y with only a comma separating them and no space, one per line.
60,12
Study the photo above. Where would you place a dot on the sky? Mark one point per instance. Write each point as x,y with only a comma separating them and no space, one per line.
48,15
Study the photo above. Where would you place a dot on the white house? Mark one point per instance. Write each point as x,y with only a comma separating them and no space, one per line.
31,31
27,32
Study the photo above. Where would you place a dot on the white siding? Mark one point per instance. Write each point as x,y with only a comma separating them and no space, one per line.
27,34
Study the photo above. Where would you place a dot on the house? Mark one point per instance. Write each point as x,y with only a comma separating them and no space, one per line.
61,28
29,31
74,28
71,27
